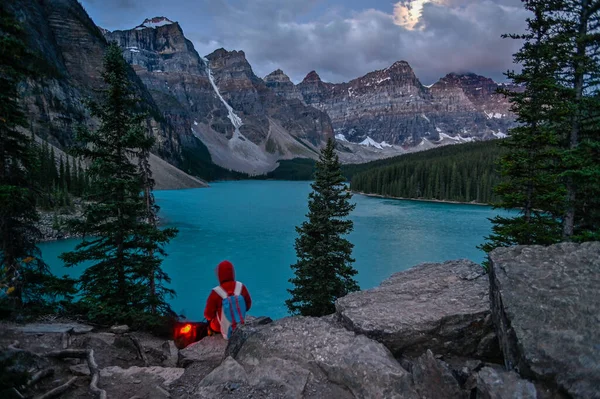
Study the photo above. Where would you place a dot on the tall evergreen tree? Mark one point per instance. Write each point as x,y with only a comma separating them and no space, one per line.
24,277
324,272
123,249
577,34
531,182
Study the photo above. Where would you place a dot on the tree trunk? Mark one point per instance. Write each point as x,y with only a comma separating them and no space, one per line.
579,75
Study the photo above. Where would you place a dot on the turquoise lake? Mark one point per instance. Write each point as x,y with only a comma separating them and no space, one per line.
251,223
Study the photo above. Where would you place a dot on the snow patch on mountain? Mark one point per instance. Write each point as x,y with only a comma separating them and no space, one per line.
448,137
492,115
154,23
369,142
236,121
341,137
500,135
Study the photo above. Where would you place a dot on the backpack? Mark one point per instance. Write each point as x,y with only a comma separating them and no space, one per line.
233,310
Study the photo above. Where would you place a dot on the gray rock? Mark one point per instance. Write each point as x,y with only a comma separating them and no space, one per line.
119,329
171,353
494,384
434,379
546,308
443,307
275,372
228,372
241,334
80,369
54,328
164,375
327,351
208,350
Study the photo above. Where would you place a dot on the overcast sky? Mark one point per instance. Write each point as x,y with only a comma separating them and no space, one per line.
340,39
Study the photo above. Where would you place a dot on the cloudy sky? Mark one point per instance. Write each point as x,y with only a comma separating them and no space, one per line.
340,39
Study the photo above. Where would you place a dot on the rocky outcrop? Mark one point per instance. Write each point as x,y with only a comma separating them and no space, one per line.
545,306
443,307
317,355
496,384
392,106
282,86
434,379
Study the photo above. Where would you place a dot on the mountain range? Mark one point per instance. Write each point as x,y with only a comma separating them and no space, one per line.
211,113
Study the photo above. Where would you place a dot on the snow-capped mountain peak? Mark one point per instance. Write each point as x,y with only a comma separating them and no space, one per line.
154,23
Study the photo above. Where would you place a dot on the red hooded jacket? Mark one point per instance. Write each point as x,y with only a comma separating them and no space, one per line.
226,274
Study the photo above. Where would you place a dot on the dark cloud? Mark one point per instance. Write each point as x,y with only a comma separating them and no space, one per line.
343,41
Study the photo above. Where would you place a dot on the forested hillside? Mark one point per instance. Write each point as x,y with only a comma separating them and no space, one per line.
465,173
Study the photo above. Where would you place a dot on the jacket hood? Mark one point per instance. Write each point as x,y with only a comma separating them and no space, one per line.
225,272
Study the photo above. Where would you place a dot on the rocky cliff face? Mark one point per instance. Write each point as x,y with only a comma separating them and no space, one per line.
282,86
220,101
392,106
69,51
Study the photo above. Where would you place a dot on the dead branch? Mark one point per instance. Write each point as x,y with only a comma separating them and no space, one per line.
139,347
14,346
87,354
16,392
39,375
58,390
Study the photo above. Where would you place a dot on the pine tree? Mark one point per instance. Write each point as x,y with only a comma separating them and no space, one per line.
577,35
324,272
531,180
123,248
24,277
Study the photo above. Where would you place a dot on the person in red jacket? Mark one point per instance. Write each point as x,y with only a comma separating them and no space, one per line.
212,311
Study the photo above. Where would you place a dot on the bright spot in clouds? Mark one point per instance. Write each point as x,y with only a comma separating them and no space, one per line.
407,13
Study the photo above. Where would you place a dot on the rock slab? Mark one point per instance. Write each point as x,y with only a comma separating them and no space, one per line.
443,307
299,351
494,384
208,350
546,308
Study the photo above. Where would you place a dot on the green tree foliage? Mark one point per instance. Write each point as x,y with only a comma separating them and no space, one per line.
577,38
552,168
529,168
122,246
324,269
24,277
464,173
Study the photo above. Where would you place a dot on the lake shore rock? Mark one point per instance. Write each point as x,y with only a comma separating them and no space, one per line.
299,352
546,308
443,307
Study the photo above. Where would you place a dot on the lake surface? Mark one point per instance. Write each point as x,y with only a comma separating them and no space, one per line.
251,223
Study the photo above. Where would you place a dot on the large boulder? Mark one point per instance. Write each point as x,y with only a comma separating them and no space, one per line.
209,350
443,307
546,308
434,379
495,384
303,355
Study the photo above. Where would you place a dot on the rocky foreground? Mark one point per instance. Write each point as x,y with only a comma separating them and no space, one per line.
528,329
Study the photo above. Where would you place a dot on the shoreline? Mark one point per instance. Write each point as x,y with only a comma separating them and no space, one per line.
418,199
